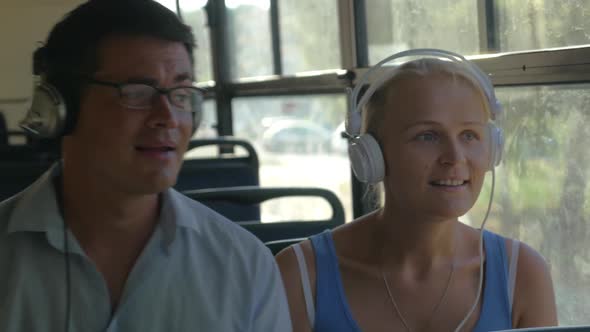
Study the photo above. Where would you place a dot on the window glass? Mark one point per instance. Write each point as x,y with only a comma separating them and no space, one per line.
542,192
207,129
12,113
308,29
534,24
170,4
398,25
194,14
299,145
208,125
248,27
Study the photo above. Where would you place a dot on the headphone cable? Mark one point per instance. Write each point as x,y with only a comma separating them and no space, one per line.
481,256
58,185
68,288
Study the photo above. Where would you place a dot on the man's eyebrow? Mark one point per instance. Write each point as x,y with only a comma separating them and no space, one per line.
183,77
142,80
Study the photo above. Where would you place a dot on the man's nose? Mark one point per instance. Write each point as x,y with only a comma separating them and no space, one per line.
162,113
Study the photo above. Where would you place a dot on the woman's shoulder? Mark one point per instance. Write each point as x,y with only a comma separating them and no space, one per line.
531,263
534,297
292,280
529,259
287,258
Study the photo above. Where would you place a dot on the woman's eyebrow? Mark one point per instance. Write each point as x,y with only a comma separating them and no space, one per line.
421,123
474,123
438,124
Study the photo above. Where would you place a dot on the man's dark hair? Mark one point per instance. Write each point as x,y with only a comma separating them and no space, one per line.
71,50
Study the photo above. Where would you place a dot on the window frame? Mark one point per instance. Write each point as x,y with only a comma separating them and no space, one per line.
544,66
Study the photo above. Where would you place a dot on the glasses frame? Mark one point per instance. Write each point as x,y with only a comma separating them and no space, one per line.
196,105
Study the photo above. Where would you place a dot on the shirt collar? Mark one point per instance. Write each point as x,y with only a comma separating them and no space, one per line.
177,209
175,213
37,210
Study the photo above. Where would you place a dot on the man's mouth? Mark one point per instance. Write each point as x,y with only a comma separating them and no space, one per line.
154,148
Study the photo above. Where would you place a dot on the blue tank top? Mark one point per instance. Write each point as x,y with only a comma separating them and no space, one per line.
332,312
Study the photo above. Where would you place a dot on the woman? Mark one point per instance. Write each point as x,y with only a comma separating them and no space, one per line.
411,265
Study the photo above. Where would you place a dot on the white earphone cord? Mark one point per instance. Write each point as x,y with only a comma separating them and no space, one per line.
481,257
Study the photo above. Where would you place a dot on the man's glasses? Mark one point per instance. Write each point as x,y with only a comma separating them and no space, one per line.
142,96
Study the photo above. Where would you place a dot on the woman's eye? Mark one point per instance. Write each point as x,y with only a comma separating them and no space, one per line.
427,137
470,136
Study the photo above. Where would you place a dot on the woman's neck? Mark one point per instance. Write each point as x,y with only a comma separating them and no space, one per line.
414,240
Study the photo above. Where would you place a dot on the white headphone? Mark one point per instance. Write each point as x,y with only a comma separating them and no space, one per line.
365,154
48,116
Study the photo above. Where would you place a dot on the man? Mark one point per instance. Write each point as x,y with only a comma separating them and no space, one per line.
101,242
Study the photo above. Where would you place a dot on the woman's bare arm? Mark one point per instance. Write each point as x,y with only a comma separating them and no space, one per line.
534,297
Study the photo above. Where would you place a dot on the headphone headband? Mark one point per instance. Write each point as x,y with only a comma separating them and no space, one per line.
353,123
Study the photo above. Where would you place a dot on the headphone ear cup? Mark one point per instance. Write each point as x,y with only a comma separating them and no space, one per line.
47,115
366,159
497,145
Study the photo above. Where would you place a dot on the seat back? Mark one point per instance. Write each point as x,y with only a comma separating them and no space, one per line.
274,231
3,130
226,170
21,165
15,176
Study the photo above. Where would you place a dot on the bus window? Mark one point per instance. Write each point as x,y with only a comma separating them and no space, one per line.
474,27
299,144
397,25
529,25
208,125
245,19
193,13
309,35
542,196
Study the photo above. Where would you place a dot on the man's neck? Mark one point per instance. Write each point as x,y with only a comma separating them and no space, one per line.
112,228
98,216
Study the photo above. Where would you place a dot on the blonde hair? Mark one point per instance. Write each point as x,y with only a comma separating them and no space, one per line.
375,108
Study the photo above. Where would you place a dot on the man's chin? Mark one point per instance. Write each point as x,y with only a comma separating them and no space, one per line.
153,183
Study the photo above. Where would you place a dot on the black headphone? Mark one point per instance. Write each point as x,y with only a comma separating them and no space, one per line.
48,116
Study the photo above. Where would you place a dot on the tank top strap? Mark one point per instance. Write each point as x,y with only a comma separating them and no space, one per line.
495,310
332,310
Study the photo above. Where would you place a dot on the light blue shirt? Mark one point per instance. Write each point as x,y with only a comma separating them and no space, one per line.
198,272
